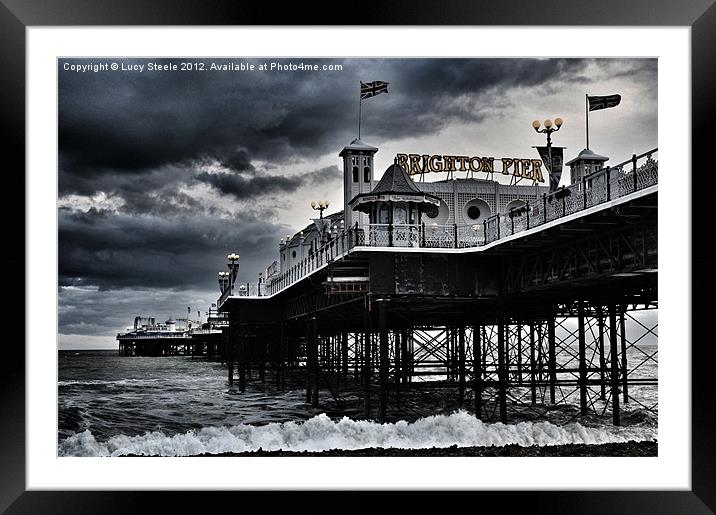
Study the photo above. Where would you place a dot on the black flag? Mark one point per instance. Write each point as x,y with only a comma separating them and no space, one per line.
555,172
596,103
372,89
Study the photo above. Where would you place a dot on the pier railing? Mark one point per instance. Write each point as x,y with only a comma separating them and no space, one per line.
599,187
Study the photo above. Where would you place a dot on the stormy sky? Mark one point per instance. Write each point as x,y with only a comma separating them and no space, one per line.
163,173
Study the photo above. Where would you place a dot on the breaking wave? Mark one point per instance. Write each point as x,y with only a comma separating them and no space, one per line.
321,433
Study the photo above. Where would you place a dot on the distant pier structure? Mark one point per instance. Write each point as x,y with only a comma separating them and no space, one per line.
508,297
182,337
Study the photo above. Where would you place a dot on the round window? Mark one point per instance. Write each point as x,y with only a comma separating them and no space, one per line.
293,254
432,211
473,212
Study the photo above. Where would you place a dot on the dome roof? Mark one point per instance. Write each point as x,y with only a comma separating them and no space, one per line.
358,145
587,155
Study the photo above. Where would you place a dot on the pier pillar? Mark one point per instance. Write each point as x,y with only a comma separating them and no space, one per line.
461,365
622,333
309,379
477,370
519,353
602,363
582,360
383,359
396,350
314,362
533,364
366,359
344,353
405,358
242,359
501,371
614,353
552,365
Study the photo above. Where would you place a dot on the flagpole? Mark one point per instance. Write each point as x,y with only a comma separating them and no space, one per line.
360,109
586,114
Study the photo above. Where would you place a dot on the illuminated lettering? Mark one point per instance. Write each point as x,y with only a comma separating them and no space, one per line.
506,163
537,170
415,166
435,164
488,164
463,162
421,163
525,168
475,164
449,163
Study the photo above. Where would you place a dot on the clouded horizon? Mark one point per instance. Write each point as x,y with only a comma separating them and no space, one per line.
162,174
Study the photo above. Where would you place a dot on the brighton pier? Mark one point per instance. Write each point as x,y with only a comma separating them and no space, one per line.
505,298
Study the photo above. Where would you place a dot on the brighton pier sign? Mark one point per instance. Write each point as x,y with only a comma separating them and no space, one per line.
419,164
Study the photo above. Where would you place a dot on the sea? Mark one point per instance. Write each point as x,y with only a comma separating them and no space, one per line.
111,405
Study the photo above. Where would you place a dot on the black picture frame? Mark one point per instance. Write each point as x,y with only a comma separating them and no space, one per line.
17,15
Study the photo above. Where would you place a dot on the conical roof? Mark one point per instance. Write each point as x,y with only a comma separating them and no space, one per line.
396,180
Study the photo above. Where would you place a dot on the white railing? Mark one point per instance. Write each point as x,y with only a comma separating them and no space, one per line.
602,186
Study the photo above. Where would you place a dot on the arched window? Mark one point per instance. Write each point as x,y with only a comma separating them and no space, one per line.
366,174
355,174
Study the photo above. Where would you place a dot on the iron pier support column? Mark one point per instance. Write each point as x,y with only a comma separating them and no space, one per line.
314,361
552,365
614,353
477,369
383,359
344,353
533,364
404,367
461,365
602,362
582,360
309,379
501,372
242,359
622,333
397,347
366,360
519,353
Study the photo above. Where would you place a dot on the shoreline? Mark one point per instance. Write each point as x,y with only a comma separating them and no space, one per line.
631,448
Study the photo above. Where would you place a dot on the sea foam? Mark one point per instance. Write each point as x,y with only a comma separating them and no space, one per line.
321,433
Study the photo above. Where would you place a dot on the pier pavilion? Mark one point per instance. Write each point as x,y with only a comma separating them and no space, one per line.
504,295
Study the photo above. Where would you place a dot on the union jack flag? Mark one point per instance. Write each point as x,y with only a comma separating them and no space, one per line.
596,103
372,89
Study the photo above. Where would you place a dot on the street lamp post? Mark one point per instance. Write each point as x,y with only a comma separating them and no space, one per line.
320,206
548,129
233,268
223,281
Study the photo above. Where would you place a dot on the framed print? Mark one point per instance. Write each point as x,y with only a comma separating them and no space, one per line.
255,261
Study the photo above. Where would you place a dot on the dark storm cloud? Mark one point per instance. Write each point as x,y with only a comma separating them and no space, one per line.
238,161
112,123
117,251
242,187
